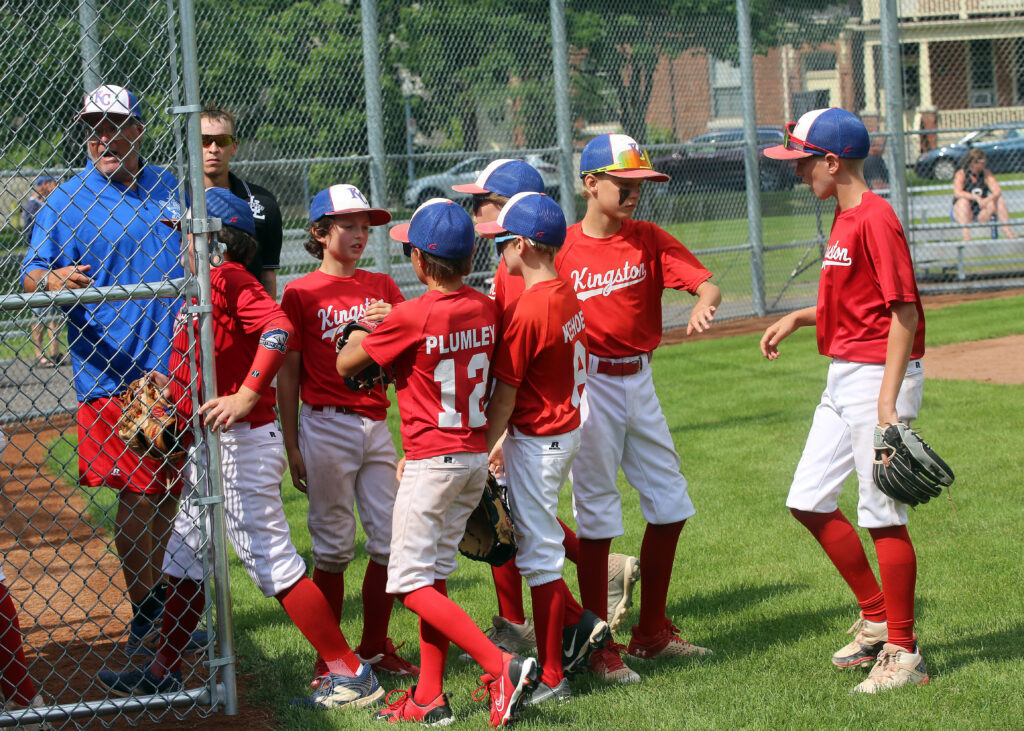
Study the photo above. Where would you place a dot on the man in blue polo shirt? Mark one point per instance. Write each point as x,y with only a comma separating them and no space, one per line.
104,227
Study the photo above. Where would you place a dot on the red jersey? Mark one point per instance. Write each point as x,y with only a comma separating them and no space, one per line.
619,280
505,289
543,352
241,310
866,268
440,347
319,305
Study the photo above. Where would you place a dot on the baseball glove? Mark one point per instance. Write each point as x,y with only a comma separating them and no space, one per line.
148,424
490,534
368,378
906,468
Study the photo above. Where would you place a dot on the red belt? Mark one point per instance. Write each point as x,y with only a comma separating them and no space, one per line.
625,368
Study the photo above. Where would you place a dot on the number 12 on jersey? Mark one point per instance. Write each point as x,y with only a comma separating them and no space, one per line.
454,383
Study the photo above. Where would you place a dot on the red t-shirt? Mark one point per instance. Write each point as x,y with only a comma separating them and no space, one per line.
867,267
319,305
241,310
440,347
505,289
619,281
543,352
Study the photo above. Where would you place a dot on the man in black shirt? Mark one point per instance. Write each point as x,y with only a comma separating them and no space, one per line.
219,145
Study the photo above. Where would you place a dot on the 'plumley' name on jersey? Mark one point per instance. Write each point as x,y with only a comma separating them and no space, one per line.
573,327
332,320
836,256
588,284
461,340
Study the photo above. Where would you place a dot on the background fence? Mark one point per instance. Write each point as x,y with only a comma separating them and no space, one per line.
404,100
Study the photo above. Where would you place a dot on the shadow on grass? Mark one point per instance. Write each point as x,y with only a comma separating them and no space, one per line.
987,647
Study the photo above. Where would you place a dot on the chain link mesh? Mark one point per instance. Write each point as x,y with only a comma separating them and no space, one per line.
462,83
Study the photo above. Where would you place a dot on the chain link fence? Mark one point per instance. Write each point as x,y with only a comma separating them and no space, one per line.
404,100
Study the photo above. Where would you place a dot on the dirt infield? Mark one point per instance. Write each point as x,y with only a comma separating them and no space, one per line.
68,586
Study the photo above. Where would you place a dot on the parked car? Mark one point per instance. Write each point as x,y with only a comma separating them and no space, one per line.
1003,145
440,185
714,161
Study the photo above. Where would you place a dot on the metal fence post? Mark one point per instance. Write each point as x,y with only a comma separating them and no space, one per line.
90,46
563,118
197,188
892,73
374,127
750,153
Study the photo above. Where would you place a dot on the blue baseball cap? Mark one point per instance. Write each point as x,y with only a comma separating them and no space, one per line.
44,178
533,215
620,156
341,199
440,227
111,100
821,132
504,177
230,209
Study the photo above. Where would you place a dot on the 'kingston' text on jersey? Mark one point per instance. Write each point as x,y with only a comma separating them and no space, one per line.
588,284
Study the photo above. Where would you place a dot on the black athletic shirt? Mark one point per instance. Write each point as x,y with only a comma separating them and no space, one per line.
268,224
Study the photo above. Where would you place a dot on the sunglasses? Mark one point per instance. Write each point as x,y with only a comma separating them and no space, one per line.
795,143
628,159
479,199
221,140
500,242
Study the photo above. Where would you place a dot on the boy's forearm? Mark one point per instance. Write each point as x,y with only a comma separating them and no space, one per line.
897,355
709,294
499,410
288,398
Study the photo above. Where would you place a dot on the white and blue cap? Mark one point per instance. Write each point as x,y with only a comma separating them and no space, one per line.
344,198
619,156
533,215
111,100
440,227
823,131
504,177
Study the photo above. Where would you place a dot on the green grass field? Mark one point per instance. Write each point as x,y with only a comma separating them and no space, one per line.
749,581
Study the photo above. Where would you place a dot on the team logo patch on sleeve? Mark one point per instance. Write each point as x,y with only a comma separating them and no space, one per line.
275,340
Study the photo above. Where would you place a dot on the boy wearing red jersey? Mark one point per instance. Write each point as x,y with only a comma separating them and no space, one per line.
250,341
342,453
540,369
618,268
439,346
870,322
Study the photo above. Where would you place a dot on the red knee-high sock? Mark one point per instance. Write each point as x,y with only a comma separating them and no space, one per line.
843,547
433,656
332,586
897,564
592,573
570,543
452,621
573,610
182,612
377,605
657,555
509,586
549,619
307,608
16,683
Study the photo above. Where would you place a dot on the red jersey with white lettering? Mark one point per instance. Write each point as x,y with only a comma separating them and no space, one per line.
241,310
866,268
619,280
505,289
543,352
440,347
319,305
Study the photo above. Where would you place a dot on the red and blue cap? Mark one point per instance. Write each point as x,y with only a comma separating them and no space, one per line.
111,100
620,156
344,198
440,227
821,132
504,177
533,215
230,209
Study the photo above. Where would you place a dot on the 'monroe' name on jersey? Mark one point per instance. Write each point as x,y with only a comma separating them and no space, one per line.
573,327
461,340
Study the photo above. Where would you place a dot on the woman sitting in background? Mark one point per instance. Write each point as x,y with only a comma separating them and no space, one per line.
977,195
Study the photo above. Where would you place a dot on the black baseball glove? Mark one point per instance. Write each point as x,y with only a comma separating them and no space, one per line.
490,534
906,468
371,376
